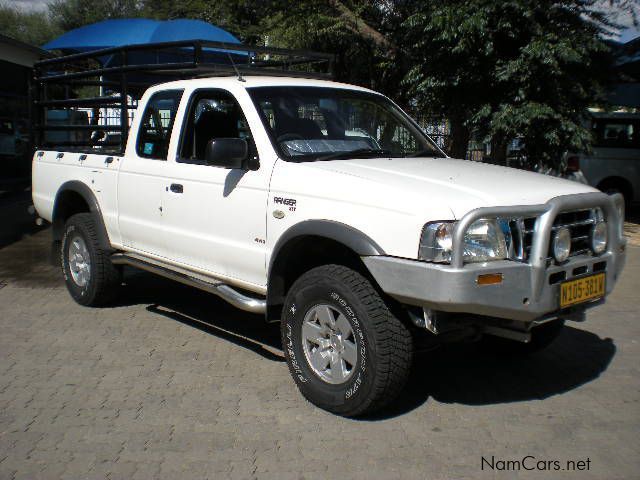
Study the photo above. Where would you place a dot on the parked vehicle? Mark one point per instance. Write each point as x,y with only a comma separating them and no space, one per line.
326,208
614,164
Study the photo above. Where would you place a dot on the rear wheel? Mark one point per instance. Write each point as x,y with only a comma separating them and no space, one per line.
91,278
612,186
345,349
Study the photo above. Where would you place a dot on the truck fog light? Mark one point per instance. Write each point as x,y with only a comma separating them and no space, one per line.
561,244
599,237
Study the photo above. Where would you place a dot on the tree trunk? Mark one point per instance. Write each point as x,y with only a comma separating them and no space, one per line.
499,150
460,135
359,26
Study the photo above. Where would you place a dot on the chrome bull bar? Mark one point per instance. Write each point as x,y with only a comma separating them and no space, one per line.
545,216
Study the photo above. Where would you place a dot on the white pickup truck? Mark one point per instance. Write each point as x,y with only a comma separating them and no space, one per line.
325,207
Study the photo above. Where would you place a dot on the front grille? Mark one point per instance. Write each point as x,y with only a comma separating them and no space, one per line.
521,238
578,222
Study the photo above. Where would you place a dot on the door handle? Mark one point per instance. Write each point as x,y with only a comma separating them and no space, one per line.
176,188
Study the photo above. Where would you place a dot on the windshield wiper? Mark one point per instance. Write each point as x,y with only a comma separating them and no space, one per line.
351,153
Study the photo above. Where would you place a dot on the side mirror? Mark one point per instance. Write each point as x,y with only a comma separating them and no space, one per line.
227,152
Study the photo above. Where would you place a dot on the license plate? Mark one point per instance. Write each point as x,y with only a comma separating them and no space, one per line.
582,290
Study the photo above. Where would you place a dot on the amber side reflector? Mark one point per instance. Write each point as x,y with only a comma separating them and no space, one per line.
489,279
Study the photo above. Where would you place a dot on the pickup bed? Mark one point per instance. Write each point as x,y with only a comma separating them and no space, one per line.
326,208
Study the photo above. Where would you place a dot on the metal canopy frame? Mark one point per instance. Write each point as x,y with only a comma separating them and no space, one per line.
122,74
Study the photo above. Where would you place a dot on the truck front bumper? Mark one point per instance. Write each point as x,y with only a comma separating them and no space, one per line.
528,291
442,288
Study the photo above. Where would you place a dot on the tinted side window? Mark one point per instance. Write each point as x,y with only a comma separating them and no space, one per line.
617,133
157,123
212,114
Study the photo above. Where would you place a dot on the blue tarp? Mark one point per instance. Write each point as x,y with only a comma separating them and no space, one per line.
135,31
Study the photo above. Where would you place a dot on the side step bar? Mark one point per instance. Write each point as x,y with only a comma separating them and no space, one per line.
224,291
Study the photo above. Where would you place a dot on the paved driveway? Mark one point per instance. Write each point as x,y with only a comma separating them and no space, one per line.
172,383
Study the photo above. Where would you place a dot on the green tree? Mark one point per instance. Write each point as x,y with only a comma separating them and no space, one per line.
35,28
360,33
526,68
243,18
351,31
70,14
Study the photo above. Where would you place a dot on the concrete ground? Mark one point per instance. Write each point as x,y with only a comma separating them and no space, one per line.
174,384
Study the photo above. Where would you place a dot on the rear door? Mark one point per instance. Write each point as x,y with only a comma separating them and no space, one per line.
143,176
214,216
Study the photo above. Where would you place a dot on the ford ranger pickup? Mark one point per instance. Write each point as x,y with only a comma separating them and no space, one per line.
324,207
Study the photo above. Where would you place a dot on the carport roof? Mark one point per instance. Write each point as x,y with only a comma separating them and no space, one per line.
136,31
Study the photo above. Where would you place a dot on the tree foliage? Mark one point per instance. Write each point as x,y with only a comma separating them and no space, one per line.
70,14
34,28
243,18
524,68
357,32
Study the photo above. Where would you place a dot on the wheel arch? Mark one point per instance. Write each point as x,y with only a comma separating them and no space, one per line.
76,197
309,244
621,183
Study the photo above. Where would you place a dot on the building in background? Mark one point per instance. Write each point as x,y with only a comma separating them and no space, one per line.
626,93
16,64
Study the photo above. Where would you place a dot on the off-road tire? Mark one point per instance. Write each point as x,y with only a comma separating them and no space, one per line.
541,338
384,344
104,277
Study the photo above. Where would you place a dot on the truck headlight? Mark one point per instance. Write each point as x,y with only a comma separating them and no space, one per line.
483,241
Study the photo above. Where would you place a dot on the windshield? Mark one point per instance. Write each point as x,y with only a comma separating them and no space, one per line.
317,123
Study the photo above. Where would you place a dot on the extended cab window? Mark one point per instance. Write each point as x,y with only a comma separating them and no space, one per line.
615,133
212,114
157,123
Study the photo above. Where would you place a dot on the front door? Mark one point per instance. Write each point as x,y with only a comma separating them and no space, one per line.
215,217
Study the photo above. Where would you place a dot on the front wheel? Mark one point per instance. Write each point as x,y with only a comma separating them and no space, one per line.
346,351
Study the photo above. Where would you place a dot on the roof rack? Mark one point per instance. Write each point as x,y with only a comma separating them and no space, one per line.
80,99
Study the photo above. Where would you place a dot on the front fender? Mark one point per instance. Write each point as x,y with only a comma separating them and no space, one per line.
350,237
347,238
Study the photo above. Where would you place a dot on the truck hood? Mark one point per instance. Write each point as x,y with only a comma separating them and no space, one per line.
461,184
